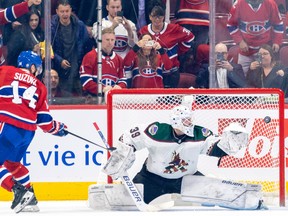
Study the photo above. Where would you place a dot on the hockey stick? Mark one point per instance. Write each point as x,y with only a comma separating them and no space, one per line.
108,148
132,189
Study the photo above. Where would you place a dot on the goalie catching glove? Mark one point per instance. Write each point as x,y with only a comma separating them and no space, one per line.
120,161
58,129
233,139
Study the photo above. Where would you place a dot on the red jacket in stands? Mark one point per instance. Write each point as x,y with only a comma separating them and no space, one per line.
112,71
175,39
256,27
193,12
146,77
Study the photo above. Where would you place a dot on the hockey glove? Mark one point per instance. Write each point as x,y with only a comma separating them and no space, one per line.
233,139
120,160
58,129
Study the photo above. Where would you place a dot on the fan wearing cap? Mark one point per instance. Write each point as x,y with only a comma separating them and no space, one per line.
23,107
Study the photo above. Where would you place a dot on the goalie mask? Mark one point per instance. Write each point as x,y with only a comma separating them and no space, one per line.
233,139
181,118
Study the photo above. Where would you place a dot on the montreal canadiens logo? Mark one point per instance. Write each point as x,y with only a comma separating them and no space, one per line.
109,82
121,44
148,72
255,28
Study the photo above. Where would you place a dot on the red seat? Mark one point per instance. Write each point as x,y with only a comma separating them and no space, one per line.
223,6
221,31
283,54
187,80
233,54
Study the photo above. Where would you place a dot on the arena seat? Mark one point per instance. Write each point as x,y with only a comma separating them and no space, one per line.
283,53
187,80
233,54
223,6
222,34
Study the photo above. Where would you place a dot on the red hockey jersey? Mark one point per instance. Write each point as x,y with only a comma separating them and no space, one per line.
23,100
112,72
10,14
262,25
175,39
193,12
146,77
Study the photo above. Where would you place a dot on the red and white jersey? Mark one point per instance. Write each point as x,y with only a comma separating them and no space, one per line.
175,39
112,71
122,42
146,77
262,25
10,14
23,100
193,12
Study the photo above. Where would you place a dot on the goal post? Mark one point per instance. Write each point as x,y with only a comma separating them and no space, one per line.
260,111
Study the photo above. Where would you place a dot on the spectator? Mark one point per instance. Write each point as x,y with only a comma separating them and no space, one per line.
10,14
56,91
254,23
112,67
125,30
175,39
26,37
144,65
265,72
69,40
86,10
194,16
9,28
138,10
228,74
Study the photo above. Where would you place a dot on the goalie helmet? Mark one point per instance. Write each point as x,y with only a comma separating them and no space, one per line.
28,58
181,118
233,139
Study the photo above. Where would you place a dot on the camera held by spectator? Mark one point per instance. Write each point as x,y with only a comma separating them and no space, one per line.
220,57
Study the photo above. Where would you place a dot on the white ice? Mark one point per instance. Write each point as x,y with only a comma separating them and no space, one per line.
79,208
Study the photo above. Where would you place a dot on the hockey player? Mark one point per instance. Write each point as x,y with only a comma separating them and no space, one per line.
171,166
23,107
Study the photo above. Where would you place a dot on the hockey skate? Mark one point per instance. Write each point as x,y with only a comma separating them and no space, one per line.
22,197
32,206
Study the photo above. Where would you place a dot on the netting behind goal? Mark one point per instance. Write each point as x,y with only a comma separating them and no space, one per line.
261,112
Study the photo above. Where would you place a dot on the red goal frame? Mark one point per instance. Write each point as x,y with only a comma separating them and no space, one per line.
113,93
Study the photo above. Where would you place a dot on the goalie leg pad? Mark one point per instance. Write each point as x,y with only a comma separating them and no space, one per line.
224,193
111,196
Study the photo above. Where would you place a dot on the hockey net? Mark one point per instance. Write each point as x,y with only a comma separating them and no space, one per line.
260,111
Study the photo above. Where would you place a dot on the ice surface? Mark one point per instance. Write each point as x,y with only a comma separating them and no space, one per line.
79,208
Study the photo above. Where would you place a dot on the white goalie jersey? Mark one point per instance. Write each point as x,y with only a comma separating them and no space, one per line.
171,156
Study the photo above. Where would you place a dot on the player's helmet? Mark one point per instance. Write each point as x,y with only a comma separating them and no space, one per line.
181,118
28,58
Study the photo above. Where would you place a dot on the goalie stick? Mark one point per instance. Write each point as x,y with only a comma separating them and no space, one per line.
132,189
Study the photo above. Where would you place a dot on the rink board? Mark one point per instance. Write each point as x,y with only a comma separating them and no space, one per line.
63,168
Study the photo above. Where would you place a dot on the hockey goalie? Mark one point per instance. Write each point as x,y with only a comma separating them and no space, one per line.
171,164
